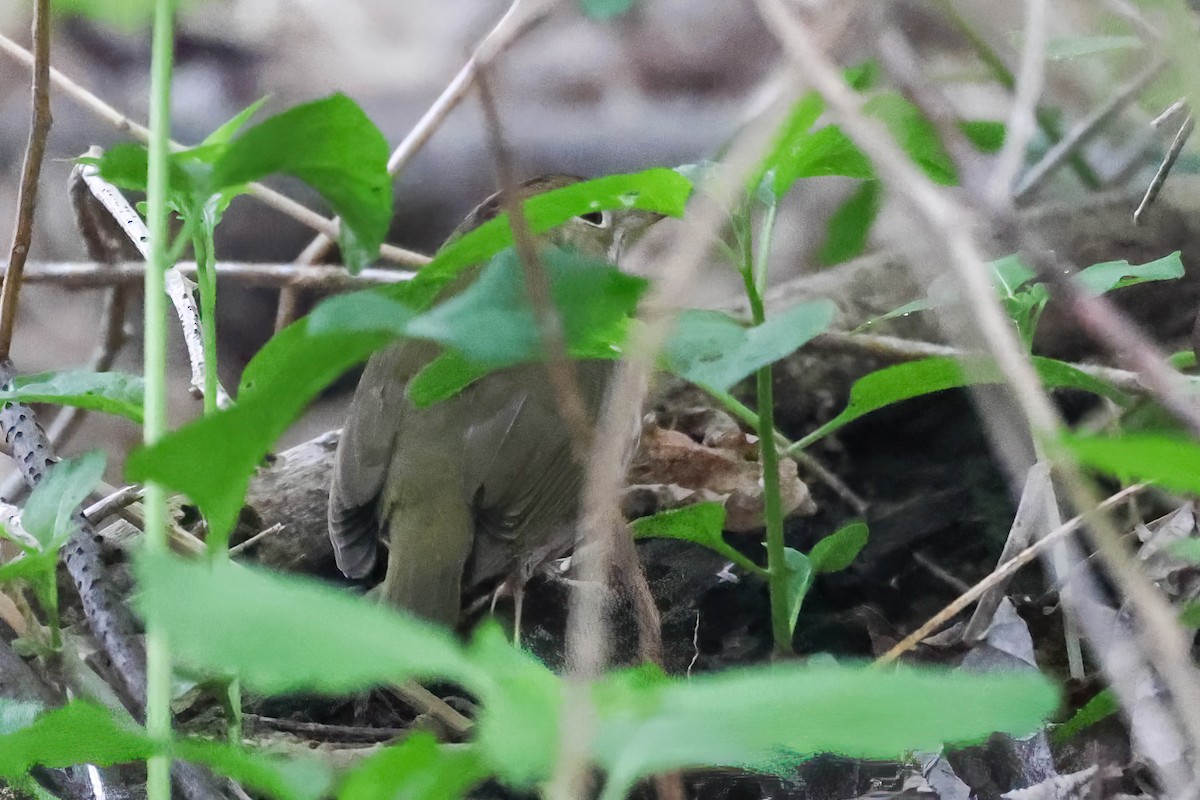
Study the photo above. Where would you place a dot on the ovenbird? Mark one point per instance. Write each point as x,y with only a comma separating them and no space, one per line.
478,488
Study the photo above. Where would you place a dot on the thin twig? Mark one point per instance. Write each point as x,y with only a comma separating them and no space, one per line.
1021,116
999,576
31,170
1164,168
113,503
320,279
266,195
1085,129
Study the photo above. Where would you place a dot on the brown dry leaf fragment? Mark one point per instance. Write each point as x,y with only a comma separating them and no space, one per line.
673,469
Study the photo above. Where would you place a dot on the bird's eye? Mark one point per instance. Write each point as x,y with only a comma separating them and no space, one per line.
595,218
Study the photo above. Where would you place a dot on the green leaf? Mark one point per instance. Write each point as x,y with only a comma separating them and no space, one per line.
444,377
987,136
518,731
1100,707
302,636
211,460
901,382
332,146
1186,550
417,769
768,718
915,134
1101,278
701,523
838,550
594,302
605,9
110,392
800,580
1165,460
50,511
799,152
83,733
78,733
1189,615
849,227
226,132
32,567
713,351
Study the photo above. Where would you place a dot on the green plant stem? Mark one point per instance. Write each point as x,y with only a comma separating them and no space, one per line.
158,651
754,274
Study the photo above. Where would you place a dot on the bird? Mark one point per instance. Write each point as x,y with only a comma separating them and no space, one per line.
479,489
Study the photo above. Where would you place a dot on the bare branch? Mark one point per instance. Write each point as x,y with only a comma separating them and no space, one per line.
323,279
35,151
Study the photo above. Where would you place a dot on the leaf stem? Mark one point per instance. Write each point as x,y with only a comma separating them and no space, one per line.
158,652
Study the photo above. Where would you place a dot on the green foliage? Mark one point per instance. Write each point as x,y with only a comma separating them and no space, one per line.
416,769
49,513
301,636
700,523
1100,707
799,580
110,392
769,718
211,460
81,732
838,550
330,144
1172,462
846,235
714,351
900,382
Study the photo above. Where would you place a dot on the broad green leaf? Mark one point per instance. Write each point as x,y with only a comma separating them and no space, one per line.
32,567
800,580
332,146
50,511
915,134
1189,615
1009,274
701,523
838,550
849,227
301,636
416,769
518,730
1101,278
768,718
110,392
1168,461
125,15
801,152
84,733
1100,707
211,460
714,351
605,9
78,733
901,382
444,377
492,323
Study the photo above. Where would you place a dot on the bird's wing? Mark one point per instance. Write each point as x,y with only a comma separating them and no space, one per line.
364,453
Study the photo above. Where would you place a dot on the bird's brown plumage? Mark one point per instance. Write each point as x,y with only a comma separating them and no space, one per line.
478,487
